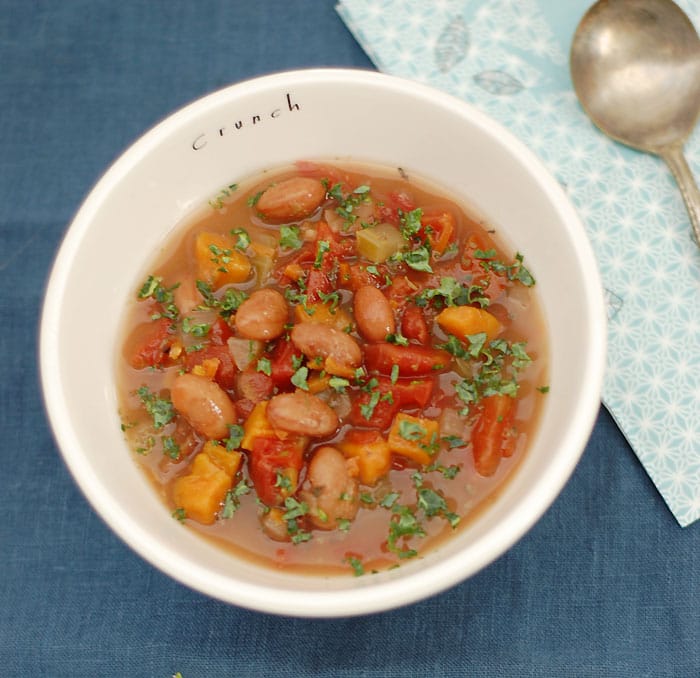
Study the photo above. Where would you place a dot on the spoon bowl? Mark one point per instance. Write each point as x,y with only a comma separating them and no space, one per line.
635,67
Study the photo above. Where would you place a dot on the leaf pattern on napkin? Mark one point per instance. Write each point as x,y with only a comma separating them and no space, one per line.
452,45
499,83
613,303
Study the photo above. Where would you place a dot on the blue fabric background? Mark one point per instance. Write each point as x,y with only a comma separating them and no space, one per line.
606,584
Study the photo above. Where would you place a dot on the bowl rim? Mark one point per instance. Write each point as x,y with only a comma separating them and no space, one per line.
385,595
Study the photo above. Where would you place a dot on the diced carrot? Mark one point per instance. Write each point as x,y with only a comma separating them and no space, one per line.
318,383
339,370
371,451
463,321
227,460
413,437
439,228
293,271
207,368
256,426
323,313
218,261
202,491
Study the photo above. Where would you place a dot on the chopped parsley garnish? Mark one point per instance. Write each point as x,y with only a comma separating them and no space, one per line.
452,293
153,289
453,441
195,329
410,223
356,565
403,524
410,430
338,384
299,378
179,514
235,437
242,238
170,447
253,199
265,366
227,304
513,271
290,238
218,202
160,409
322,246
398,339
367,409
232,500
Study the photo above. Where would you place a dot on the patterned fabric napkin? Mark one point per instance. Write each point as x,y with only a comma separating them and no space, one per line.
509,58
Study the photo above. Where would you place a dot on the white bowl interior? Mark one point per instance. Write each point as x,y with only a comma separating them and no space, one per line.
185,160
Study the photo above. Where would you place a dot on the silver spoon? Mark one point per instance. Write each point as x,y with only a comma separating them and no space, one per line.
635,66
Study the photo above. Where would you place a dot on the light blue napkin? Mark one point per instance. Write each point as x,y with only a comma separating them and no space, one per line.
509,58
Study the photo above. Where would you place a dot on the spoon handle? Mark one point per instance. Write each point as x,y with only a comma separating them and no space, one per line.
673,155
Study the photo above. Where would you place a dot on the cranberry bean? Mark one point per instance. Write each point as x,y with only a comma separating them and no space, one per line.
373,314
291,199
204,404
315,340
331,490
302,413
262,316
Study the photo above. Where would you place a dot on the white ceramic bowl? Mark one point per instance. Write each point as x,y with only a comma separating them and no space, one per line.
237,132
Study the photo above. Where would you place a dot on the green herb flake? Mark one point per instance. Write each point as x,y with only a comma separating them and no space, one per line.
235,437
160,409
264,365
356,565
179,514
299,378
170,447
410,430
290,238
322,246
242,238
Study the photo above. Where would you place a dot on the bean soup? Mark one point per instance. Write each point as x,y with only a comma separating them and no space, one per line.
332,368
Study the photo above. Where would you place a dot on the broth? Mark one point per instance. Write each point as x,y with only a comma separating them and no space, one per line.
225,391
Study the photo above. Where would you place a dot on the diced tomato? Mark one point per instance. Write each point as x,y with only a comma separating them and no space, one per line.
225,372
354,276
413,324
413,392
413,360
282,361
272,459
380,416
493,283
392,397
149,344
390,206
438,227
400,291
491,436
336,248
220,332
317,284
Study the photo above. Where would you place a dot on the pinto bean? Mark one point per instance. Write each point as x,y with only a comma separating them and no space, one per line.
373,314
315,340
291,199
263,315
204,404
331,490
302,413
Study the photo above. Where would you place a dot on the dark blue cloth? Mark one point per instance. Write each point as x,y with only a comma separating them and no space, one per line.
606,584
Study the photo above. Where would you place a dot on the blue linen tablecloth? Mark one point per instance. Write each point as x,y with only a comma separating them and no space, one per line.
606,584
